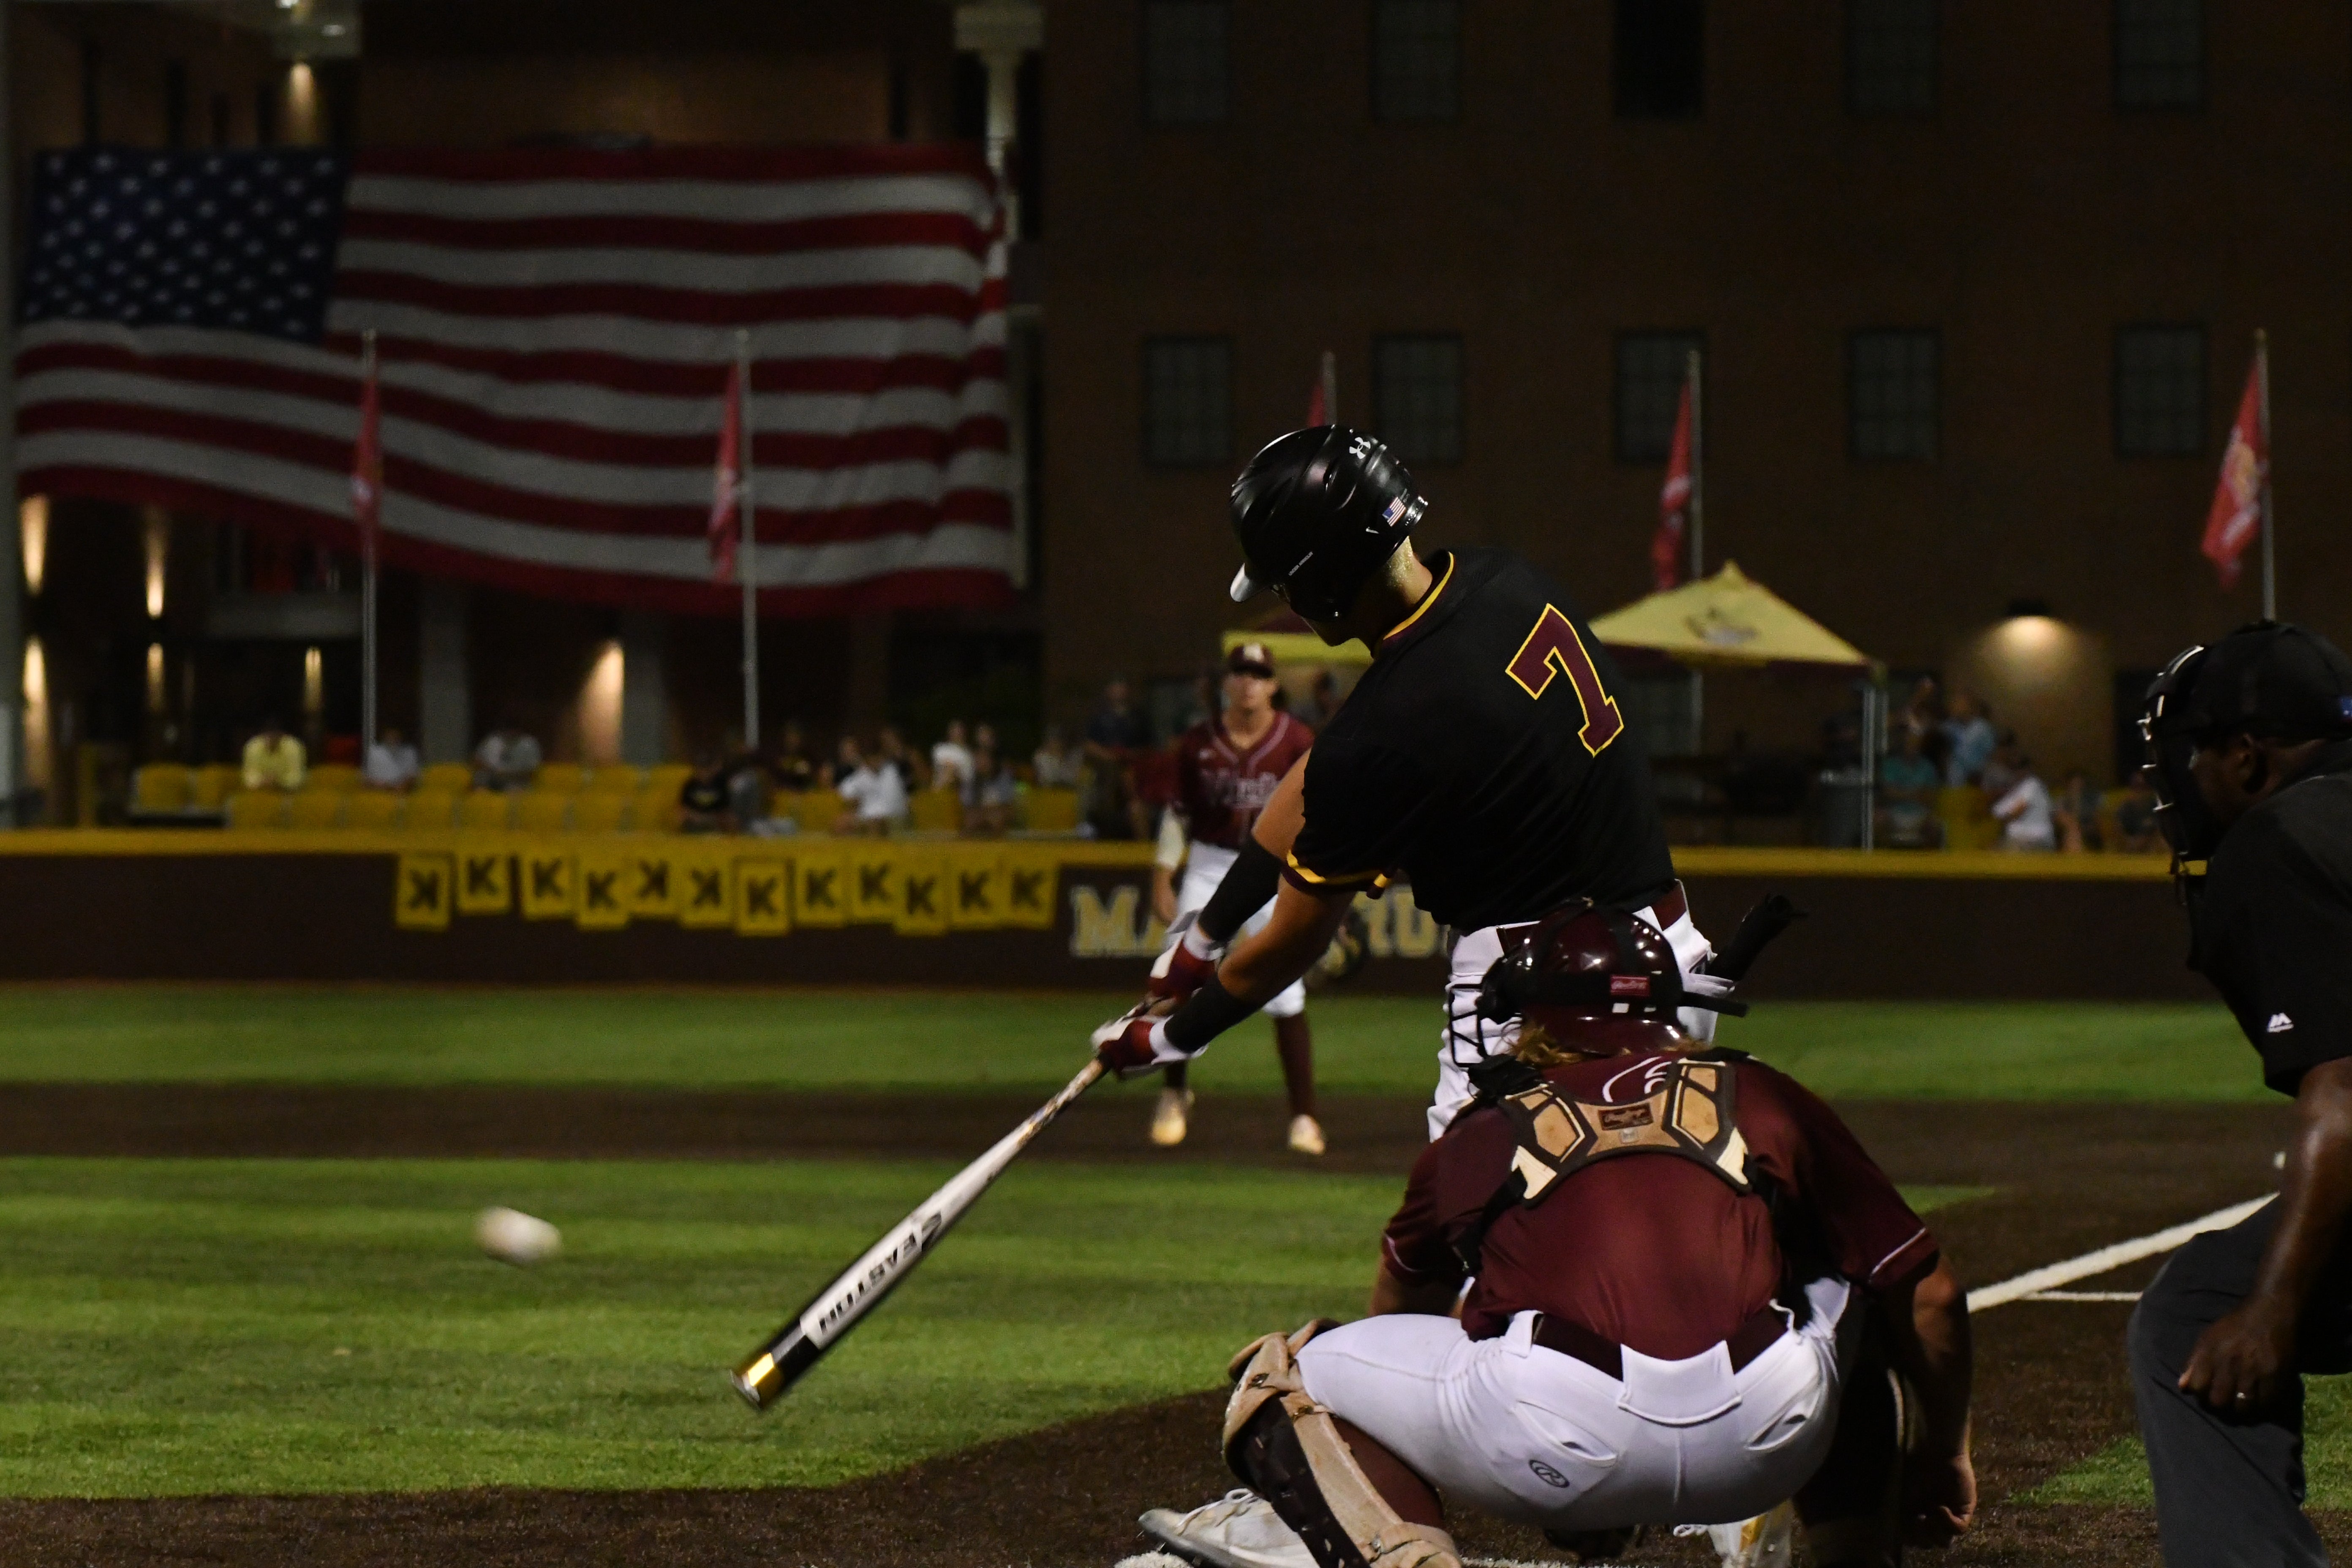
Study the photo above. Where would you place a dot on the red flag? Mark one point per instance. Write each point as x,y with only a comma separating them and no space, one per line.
726,484
1674,502
367,458
2236,518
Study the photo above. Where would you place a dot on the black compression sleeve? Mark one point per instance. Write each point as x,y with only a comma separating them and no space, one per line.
1206,1014
1252,881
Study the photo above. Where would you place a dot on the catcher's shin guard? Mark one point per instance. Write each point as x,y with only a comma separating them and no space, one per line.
1288,1447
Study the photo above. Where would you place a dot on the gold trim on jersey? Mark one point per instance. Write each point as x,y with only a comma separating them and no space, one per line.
1427,599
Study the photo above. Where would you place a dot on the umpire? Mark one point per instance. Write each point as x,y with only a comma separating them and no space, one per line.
2249,747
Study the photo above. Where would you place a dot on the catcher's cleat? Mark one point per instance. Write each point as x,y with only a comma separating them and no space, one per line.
1167,1126
1240,1529
1595,1545
1305,1135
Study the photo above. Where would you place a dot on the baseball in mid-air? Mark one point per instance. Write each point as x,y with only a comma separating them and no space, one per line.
512,1236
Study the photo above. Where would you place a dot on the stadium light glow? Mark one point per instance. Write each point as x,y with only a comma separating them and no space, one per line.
38,770
154,677
600,706
314,681
33,526
157,539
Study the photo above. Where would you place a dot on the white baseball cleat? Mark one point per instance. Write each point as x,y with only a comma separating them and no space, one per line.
1305,1135
1240,1529
1168,1117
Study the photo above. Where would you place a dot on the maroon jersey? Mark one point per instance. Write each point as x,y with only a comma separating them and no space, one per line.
1219,788
1654,1252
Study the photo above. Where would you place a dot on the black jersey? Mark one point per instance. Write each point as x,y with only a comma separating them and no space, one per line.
2273,921
1485,757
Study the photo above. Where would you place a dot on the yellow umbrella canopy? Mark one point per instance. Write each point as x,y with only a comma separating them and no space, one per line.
1727,620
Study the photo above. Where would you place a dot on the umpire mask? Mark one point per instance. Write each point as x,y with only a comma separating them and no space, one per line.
2164,730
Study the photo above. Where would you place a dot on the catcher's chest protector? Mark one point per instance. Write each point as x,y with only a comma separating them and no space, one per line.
1692,1113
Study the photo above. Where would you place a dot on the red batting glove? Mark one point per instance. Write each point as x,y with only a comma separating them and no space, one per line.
1134,1043
1188,963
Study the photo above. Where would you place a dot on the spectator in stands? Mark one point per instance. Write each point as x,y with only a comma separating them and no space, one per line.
1057,764
1970,736
702,799
890,750
2000,768
984,738
2023,809
795,765
508,759
2135,817
874,789
1115,736
2075,814
747,790
1906,793
993,796
392,762
952,759
273,759
1322,700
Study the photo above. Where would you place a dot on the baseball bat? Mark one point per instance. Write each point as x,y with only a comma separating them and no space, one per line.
765,1375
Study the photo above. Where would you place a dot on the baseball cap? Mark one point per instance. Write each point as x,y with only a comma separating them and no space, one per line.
2271,678
1251,659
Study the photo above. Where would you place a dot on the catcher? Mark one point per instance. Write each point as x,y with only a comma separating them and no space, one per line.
1688,1282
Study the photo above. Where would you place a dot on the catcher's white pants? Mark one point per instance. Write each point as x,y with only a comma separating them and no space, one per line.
1205,866
1469,1039
1535,1435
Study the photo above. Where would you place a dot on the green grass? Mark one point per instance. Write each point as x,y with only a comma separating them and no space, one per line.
184,1327
934,1040
2118,1473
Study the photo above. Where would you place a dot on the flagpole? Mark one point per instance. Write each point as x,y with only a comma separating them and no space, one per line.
1697,544
2262,377
746,560
367,578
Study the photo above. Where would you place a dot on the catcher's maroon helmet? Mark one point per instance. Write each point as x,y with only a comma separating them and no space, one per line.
1584,962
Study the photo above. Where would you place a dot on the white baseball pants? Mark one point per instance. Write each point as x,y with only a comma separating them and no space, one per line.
1535,1435
1205,866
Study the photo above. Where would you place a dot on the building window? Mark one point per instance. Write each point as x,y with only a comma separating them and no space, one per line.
1417,392
1651,369
1660,58
2159,54
1890,55
1188,402
1891,396
1187,70
1416,60
2159,391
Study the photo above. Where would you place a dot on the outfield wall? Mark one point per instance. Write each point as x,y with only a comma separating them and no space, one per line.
649,908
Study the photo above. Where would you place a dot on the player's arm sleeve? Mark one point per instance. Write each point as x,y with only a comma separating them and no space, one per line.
1365,805
1872,1236
2289,942
1418,1246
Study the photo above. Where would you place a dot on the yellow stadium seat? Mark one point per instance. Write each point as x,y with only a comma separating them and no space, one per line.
212,784
656,811
161,787
621,780
666,779
816,810
448,778
1053,811
542,810
315,808
332,776
431,811
565,778
600,811
372,810
935,811
249,809
483,810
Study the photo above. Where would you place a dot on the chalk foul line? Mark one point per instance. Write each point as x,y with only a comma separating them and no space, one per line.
2045,1282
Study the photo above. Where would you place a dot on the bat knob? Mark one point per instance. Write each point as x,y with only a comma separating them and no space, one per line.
758,1381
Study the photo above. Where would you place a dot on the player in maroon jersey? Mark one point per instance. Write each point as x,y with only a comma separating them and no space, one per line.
1226,768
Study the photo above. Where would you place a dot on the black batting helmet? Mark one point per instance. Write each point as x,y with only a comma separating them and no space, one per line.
1318,512
1585,963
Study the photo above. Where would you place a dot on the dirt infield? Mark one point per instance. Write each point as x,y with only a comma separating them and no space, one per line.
2050,1386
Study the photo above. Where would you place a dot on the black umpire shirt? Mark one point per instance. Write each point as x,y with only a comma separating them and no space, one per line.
1485,757
2272,925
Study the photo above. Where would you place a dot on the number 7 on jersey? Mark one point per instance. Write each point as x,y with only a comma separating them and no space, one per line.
1552,646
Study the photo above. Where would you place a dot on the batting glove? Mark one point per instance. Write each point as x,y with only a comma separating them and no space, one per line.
1186,965
1137,1041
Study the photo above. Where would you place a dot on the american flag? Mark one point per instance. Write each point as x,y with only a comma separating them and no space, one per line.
555,329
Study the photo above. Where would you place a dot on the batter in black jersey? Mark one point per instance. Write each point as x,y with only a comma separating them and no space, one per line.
1485,756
